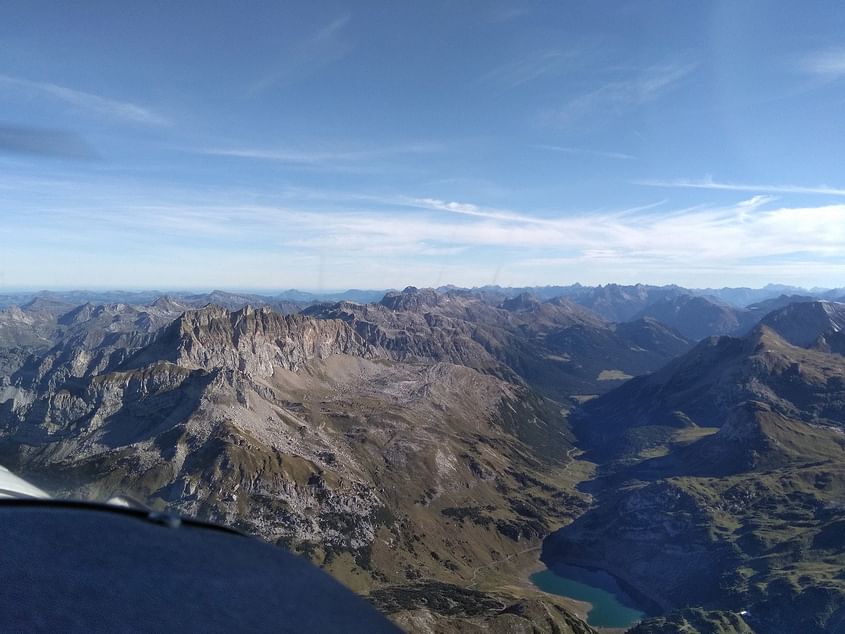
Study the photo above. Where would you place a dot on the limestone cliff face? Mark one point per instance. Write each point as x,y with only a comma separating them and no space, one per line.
254,342
412,335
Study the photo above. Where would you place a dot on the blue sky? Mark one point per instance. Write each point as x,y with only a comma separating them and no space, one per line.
327,145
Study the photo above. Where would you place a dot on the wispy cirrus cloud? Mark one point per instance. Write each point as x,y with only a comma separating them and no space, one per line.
409,236
585,152
528,68
322,155
827,63
708,183
743,233
469,209
86,101
507,12
320,48
615,96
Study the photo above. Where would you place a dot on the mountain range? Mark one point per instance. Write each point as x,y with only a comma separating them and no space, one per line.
420,444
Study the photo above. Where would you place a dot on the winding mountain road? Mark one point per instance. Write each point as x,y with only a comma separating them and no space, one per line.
493,564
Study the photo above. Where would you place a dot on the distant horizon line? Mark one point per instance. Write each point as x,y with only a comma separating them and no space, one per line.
280,290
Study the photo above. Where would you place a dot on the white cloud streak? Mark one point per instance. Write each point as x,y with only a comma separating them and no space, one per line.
828,63
468,209
616,96
577,151
324,46
537,65
86,101
707,183
321,156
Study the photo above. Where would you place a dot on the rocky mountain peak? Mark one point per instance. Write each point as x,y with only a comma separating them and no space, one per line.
803,324
252,340
523,301
165,302
78,314
698,317
411,298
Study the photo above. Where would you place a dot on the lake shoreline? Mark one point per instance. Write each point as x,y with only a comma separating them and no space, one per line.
611,607
578,607
647,603
657,604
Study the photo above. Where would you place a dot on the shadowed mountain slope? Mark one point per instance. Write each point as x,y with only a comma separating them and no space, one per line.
699,317
723,475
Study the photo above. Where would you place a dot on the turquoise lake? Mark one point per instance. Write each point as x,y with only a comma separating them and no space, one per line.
612,607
